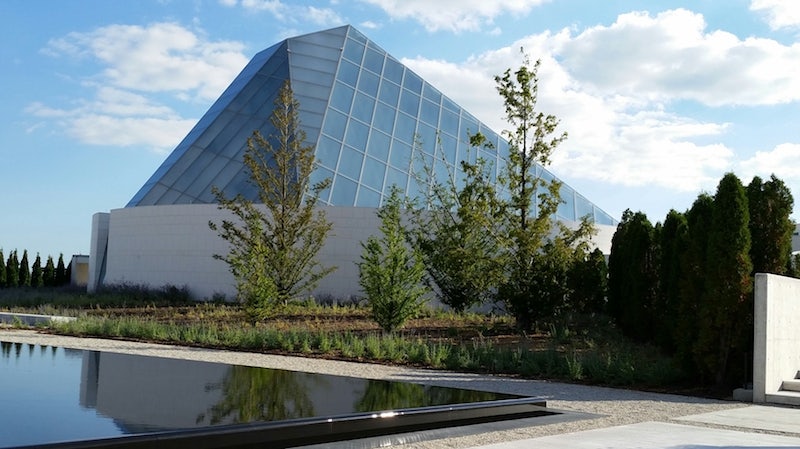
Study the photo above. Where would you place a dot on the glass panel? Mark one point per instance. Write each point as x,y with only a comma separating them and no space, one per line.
448,103
409,103
348,73
384,118
353,51
469,126
400,156
378,146
389,93
449,122
393,71
397,178
350,163
412,82
405,128
328,152
583,207
373,61
427,137
430,93
335,124
603,218
368,198
448,147
567,207
429,113
357,135
344,192
318,175
372,175
342,97
362,107
368,83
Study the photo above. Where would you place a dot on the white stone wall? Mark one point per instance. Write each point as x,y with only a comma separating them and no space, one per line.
776,354
172,244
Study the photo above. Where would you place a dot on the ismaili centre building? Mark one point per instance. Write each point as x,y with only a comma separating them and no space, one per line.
372,122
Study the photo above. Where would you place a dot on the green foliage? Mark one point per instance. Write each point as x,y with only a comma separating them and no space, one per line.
3,282
692,284
456,234
538,255
12,270
632,276
390,272
770,205
24,270
673,243
61,272
37,277
49,273
278,243
726,308
588,282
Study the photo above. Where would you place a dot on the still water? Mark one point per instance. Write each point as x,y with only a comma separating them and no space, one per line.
51,394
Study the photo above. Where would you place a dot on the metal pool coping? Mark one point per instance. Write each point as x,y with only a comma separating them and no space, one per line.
323,430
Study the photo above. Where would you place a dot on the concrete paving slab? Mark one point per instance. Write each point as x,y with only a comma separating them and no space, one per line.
757,417
653,435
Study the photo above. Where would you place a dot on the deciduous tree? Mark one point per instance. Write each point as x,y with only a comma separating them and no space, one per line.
279,239
391,271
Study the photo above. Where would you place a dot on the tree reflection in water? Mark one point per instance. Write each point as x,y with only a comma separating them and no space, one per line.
381,395
257,394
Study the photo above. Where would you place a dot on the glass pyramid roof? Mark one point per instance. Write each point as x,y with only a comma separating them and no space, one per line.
361,108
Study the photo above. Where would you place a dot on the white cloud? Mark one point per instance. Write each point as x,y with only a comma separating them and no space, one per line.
673,56
618,134
141,70
454,15
290,13
779,13
782,161
162,57
118,118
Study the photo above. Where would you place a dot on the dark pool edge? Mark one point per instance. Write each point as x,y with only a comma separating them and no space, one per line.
312,431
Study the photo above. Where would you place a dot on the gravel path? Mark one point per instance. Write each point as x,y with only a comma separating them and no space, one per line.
616,406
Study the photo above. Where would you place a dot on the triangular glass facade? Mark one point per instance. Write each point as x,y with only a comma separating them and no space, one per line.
373,122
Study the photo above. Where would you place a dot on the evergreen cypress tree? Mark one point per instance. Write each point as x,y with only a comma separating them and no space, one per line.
673,241
2,270
61,272
37,278
727,308
633,276
770,205
692,281
49,273
24,270
12,270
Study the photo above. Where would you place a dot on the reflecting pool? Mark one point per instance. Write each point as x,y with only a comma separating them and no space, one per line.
52,394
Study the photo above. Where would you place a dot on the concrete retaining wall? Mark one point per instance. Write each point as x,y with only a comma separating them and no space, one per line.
776,355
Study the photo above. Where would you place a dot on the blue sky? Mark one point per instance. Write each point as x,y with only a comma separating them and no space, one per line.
660,99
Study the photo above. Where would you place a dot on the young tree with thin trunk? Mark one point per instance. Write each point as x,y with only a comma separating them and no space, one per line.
391,271
278,240
528,218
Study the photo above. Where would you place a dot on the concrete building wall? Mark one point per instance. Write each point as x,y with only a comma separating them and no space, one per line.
172,244
776,354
